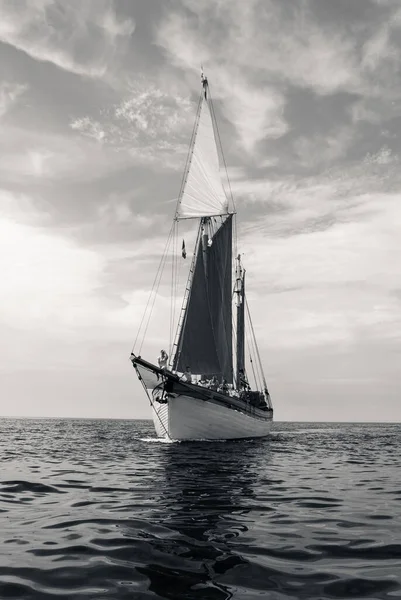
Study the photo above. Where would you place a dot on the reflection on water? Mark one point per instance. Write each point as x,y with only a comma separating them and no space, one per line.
204,501
91,509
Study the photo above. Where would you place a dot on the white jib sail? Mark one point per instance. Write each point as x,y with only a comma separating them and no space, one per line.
203,194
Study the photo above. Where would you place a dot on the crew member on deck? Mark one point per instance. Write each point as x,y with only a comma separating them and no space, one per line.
163,358
214,383
243,384
187,376
203,381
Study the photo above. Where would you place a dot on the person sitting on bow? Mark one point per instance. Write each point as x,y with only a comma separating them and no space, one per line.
162,360
187,376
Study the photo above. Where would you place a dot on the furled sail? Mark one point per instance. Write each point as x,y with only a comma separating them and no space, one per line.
205,341
203,193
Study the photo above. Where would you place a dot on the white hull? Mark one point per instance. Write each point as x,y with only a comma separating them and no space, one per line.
187,418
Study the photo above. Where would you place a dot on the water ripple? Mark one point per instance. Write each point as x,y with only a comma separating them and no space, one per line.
102,509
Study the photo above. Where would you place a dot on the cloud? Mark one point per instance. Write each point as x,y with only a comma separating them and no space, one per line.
322,288
322,255
82,38
70,309
256,110
19,208
9,94
322,150
255,53
51,282
57,289
38,156
46,279
383,157
307,100
380,47
252,52
90,128
286,43
154,112
153,125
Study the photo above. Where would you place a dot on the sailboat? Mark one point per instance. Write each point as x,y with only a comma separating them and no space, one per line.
203,391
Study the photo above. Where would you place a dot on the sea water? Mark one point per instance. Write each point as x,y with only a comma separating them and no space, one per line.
102,509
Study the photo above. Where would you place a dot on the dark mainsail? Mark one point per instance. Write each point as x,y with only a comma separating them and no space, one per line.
205,341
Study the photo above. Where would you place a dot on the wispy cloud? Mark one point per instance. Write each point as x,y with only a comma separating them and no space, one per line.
325,287
29,156
151,124
297,205
324,254
254,51
318,151
81,38
44,277
9,94
255,110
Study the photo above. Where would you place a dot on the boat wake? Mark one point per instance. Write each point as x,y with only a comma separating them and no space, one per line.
171,441
157,440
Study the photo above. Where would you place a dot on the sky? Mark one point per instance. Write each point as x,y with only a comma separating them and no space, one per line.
97,104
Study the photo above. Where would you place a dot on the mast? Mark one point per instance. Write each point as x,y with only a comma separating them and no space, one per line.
206,241
239,291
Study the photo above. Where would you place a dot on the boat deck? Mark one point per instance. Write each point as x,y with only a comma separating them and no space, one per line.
153,377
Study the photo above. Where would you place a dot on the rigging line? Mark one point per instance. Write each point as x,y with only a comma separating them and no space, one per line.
185,300
189,155
172,284
253,337
221,146
151,402
154,300
173,276
252,351
157,284
257,361
151,291
152,306
178,263
176,316
226,170
175,282
256,345
252,367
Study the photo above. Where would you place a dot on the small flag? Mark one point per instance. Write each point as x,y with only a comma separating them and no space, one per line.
183,251
204,82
